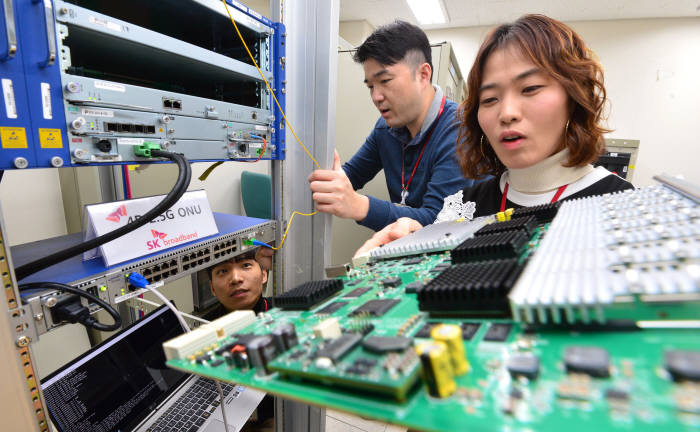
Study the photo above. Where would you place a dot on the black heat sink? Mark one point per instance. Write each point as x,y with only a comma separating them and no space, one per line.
308,294
490,246
473,288
528,224
544,212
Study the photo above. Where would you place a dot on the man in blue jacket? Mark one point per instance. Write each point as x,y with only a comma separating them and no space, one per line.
413,141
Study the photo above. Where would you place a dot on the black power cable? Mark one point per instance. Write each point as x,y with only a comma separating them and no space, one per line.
183,181
84,319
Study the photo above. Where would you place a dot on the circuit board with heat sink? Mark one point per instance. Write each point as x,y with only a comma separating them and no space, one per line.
488,334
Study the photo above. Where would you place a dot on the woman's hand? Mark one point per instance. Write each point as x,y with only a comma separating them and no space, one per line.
402,227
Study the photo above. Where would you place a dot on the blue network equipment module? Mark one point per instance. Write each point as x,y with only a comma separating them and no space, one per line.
109,283
88,82
32,123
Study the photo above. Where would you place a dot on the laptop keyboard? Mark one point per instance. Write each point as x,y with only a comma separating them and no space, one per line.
192,408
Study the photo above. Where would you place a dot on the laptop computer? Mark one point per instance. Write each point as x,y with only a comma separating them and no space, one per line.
123,384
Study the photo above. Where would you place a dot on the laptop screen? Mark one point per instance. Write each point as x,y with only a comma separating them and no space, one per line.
116,384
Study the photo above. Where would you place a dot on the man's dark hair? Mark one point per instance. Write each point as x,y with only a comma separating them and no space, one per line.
395,42
250,255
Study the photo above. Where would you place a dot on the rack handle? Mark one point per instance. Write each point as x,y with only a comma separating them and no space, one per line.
9,17
50,32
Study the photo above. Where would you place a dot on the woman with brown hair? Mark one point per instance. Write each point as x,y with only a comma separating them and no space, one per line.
532,120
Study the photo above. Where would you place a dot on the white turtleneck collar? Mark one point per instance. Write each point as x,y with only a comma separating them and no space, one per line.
546,175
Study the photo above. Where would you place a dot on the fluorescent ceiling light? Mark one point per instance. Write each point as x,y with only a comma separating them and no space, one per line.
428,11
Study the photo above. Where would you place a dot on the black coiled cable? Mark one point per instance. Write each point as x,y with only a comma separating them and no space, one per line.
183,181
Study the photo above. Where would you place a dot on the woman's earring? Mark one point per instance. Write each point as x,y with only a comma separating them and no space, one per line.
481,146
566,129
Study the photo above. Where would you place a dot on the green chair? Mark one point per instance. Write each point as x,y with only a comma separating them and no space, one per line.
256,193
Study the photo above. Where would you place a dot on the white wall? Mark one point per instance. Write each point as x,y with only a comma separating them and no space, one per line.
355,32
32,208
651,75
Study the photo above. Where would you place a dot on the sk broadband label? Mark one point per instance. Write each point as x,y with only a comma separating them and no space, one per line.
50,138
13,137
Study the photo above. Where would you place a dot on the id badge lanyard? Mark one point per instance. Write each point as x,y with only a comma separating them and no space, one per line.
405,184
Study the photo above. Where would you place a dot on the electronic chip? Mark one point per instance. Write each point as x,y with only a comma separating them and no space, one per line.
203,358
329,309
382,344
338,347
376,308
516,393
469,330
357,292
498,332
683,365
412,261
524,365
617,395
414,287
223,349
442,266
361,366
591,361
424,332
242,338
391,282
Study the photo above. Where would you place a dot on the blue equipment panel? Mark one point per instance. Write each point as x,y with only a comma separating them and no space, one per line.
280,51
43,81
16,144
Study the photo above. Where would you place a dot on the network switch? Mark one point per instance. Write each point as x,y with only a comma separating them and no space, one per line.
110,284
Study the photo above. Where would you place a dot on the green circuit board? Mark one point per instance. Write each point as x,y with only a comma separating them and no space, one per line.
639,393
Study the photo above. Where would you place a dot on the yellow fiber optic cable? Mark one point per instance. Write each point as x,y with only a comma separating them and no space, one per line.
268,85
285,120
290,224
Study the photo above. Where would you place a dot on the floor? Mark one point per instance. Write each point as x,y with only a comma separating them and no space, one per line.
342,422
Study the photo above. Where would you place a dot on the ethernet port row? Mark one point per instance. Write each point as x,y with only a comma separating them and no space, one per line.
129,128
172,104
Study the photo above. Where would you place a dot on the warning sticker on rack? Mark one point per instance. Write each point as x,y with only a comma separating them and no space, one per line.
97,112
46,100
104,85
50,138
104,23
13,137
8,92
129,141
